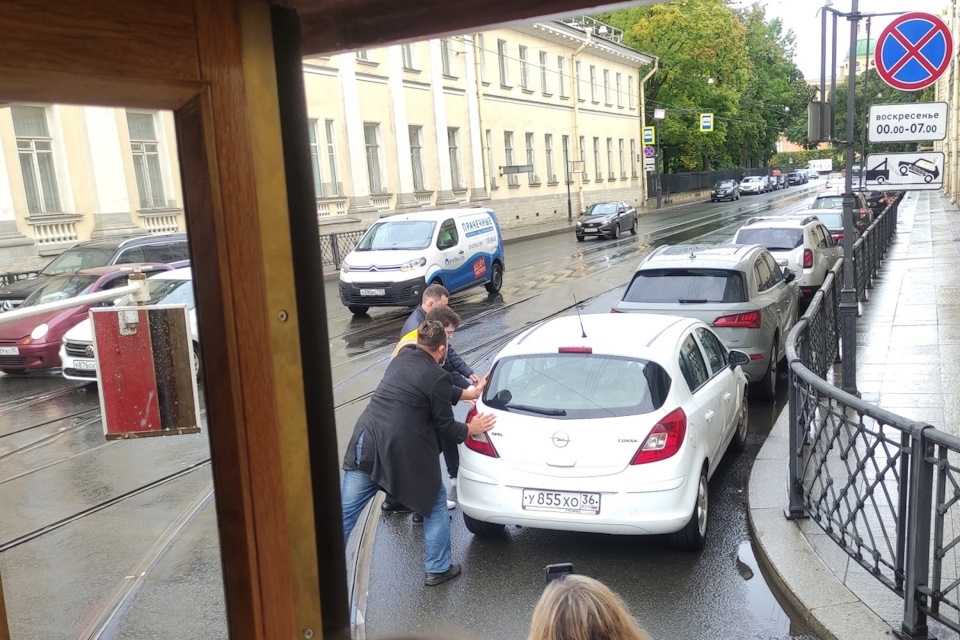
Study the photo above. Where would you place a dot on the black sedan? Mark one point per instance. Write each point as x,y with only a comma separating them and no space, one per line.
607,219
725,190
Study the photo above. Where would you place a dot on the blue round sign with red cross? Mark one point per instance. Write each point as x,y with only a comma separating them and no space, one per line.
913,51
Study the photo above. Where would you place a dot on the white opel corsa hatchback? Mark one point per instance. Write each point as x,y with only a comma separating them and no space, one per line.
607,423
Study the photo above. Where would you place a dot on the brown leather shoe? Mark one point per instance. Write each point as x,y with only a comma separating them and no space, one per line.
433,579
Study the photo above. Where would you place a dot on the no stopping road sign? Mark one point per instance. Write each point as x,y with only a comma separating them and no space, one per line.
913,51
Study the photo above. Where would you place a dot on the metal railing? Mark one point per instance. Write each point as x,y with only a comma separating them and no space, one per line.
699,180
883,487
13,276
334,247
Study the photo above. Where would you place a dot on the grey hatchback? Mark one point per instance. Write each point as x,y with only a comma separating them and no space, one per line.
607,219
739,290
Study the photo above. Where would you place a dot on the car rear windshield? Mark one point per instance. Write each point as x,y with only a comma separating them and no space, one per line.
686,286
772,239
570,386
398,235
831,220
828,202
60,288
77,259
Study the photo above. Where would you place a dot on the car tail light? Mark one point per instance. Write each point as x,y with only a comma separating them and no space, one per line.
742,320
664,440
615,310
479,443
807,259
837,236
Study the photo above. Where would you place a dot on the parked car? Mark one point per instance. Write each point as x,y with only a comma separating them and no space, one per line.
740,291
34,342
77,356
782,181
832,219
795,177
753,184
725,190
771,182
801,244
170,248
863,214
812,174
600,434
606,219
922,167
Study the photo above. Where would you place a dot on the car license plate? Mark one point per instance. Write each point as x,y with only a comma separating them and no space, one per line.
85,365
372,292
9,351
561,501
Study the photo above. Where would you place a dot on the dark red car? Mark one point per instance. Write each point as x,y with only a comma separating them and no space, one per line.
34,342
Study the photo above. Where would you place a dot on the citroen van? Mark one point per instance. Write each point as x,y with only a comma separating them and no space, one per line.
399,256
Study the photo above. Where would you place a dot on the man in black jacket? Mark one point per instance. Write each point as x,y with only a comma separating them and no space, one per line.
394,445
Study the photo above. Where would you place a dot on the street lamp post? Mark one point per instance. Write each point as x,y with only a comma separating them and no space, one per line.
848,292
658,115
566,168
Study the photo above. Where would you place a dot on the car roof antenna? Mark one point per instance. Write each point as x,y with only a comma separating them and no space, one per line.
576,305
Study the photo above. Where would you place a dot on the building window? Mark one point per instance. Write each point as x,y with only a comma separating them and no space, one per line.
508,157
623,169
491,167
371,139
548,149
583,158
364,54
35,148
562,75
453,143
502,61
407,52
566,158
532,176
597,169
593,83
483,58
633,158
606,86
332,158
544,85
446,54
610,173
416,157
146,160
630,101
579,81
619,91
524,69
314,160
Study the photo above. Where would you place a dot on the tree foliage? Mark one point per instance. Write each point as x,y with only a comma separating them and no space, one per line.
714,59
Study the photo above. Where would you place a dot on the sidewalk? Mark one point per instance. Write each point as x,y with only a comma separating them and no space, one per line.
908,350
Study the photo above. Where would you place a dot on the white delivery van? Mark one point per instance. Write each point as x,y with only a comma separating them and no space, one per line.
399,256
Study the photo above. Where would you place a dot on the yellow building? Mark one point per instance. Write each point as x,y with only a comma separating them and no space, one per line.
428,124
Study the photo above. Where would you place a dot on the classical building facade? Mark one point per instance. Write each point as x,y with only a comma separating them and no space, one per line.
482,119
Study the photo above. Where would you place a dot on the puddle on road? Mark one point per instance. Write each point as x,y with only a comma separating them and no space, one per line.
764,603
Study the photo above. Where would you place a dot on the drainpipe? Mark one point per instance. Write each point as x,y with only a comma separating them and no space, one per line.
643,125
575,82
484,150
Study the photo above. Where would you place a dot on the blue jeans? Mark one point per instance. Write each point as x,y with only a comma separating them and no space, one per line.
357,490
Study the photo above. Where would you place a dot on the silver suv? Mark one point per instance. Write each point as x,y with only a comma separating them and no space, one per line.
802,244
739,290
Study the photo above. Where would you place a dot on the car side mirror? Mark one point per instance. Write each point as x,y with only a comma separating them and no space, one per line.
737,358
788,275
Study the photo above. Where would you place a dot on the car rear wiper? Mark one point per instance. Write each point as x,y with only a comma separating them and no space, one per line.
541,410
692,301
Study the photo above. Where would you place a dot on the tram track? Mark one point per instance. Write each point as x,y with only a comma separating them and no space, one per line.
44,396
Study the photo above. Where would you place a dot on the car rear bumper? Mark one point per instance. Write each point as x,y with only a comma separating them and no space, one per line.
656,508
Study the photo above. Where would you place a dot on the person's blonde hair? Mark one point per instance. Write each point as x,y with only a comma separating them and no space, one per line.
576,607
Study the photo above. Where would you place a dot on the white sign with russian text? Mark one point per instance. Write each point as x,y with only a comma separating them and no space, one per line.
908,122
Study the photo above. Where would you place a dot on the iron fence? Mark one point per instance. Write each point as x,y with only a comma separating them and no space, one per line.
698,180
11,277
883,487
335,246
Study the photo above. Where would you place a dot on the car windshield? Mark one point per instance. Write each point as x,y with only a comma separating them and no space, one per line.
567,386
724,184
398,235
772,239
166,292
686,286
77,259
831,220
828,202
601,209
61,288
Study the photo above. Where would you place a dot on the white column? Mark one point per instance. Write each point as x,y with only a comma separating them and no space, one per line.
405,196
478,188
9,235
359,189
112,211
445,192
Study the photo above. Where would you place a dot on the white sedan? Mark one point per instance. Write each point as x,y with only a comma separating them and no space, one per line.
603,434
77,356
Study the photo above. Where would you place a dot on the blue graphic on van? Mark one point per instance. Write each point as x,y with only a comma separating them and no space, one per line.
477,227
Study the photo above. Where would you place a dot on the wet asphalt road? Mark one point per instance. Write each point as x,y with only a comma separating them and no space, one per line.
119,539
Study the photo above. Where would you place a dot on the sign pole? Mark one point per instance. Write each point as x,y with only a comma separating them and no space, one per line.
656,164
848,291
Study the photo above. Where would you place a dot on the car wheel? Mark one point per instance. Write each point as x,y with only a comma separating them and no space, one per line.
713,199
903,171
739,442
694,534
736,197
633,229
482,529
880,180
616,231
579,238
496,278
768,386
928,178
357,309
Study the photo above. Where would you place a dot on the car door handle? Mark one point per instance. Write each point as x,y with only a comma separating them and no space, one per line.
726,396
461,251
708,416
